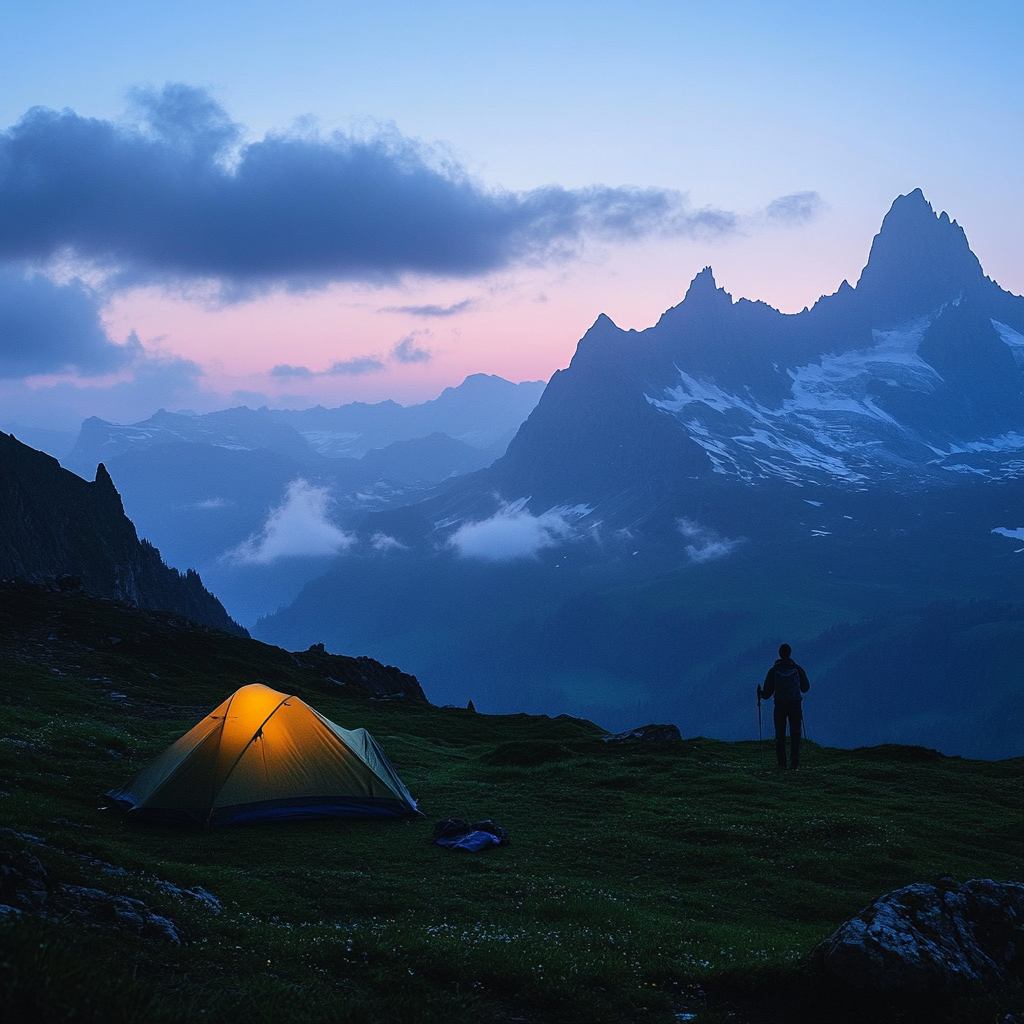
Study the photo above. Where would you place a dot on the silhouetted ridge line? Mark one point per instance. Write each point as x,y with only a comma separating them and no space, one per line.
55,525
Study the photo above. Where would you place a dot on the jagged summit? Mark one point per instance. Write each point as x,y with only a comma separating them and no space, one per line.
704,288
918,261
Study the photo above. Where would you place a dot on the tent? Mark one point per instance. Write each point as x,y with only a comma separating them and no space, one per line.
264,755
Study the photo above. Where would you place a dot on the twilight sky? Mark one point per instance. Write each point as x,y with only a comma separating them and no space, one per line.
205,204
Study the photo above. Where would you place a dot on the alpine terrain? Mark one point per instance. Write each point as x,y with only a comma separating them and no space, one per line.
848,478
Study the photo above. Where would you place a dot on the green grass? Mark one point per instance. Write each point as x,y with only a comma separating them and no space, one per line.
641,879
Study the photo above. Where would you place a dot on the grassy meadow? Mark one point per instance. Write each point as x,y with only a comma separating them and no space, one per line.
644,881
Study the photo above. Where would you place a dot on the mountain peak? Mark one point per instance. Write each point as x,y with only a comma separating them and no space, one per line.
703,288
919,260
704,292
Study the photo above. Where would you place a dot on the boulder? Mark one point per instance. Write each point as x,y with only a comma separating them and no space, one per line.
944,937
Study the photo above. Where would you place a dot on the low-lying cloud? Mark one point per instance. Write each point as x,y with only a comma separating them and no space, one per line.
705,545
175,195
298,527
385,542
510,533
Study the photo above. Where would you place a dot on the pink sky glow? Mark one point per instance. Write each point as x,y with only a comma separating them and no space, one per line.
521,325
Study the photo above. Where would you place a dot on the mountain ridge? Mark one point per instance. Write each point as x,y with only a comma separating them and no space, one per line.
56,525
481,412
762,393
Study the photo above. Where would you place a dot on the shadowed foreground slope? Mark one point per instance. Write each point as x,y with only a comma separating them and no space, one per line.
642,880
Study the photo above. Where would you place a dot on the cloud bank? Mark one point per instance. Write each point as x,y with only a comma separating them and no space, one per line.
48,328
175,195
510,533
297,527
705,545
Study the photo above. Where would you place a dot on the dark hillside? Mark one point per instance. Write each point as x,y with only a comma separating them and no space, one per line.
644,881
54,524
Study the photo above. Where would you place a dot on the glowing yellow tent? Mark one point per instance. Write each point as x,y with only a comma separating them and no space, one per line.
264,755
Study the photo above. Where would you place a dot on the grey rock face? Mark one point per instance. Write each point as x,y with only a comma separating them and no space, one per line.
931,938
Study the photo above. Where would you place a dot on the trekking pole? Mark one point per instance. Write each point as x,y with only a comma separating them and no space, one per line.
760,739
803,726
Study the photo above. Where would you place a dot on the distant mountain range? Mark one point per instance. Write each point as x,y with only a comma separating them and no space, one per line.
849,478
56,528
482,413
204,485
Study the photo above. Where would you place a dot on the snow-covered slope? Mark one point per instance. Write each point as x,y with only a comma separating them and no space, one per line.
836,425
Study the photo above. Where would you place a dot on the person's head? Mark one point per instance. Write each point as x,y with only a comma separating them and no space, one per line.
785,651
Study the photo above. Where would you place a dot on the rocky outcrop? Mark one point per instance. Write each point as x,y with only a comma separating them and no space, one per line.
944,937
26,888
646,732
361,673
55,526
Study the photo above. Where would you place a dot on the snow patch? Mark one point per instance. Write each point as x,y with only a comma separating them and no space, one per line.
1013,339
839,382
1017,534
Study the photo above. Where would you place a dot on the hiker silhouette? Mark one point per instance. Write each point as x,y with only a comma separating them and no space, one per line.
786,682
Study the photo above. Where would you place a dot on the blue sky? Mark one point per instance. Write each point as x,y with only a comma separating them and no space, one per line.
732,105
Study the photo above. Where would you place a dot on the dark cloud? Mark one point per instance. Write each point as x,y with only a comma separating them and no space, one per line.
431,310
354,367
51,328
795,209
407,352
175,196
284,370
150,383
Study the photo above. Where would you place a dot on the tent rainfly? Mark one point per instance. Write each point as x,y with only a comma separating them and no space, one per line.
261,756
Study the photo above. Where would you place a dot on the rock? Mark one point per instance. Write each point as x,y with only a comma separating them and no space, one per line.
944,937
646,732
23,882
197,893
25,888
96,908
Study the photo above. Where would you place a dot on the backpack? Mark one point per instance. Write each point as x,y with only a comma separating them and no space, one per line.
787,684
